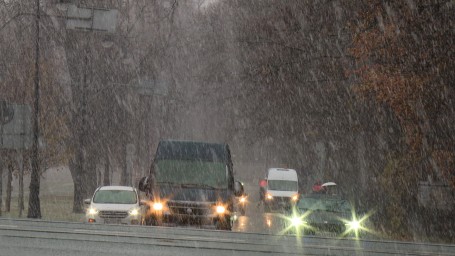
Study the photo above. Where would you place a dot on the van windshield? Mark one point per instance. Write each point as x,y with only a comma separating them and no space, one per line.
283,185
115,197
213,174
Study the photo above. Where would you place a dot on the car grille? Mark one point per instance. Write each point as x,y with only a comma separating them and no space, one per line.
185,208
112,214
281,199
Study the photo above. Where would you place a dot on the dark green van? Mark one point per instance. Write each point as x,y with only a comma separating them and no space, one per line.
191,183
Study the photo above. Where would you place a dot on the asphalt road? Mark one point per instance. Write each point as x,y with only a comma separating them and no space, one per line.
257,233
255,219
31,237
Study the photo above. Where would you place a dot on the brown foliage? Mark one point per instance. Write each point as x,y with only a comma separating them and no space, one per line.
445,161
403,61
400,56
17,86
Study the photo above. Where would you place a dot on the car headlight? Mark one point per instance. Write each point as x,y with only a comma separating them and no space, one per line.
296,221
92,211
220,209
268,196
295,197
354,225
157,206
242,199
134,212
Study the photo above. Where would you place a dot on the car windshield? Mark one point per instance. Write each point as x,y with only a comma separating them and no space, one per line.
283,185
115,197
207,174
324,204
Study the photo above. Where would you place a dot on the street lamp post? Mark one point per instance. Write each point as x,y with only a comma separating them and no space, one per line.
34,207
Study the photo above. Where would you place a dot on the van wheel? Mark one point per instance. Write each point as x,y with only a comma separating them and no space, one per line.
267,207
224,224
150,221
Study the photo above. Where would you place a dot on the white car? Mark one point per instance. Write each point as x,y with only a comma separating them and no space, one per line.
114,205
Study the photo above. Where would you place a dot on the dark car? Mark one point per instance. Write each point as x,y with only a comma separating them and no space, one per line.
191,183
324,213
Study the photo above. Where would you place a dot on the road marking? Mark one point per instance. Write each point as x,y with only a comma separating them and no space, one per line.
100,232
189,238
8,226
211,239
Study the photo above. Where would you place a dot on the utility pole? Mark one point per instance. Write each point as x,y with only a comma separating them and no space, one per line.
34,207
88,19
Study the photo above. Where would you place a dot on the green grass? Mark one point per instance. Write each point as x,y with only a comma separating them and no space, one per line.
55,208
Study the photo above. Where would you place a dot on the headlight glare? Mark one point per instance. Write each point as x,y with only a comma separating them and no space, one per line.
296,221
295,197
354,225
157,206
134,212
92,211
220,209
269,196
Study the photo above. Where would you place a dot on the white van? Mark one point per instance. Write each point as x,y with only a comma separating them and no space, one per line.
282,188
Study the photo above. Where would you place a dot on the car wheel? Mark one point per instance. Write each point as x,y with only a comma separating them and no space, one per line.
242,211
309,232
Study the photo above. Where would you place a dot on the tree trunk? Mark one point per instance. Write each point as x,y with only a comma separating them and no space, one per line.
1,182
99,178
78,191
34,204
107,170
21,163
90,177
124,176
9,187
78,173
78,196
